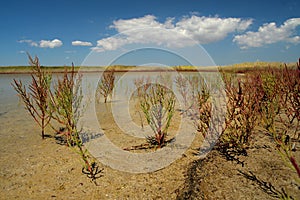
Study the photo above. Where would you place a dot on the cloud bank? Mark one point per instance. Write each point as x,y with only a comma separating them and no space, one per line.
44,43
186,32
269,33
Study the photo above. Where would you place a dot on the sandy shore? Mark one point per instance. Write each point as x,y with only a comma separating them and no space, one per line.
32,168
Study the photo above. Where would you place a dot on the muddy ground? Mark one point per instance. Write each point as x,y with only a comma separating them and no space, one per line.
32,168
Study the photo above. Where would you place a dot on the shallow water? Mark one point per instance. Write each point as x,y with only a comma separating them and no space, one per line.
124,86
8,97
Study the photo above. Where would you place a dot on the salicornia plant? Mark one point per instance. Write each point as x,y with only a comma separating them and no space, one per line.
195,95
204,107
183,88
280,111
66,102
290,102
107,84
271,102
142,84
243,97
157,103
36,100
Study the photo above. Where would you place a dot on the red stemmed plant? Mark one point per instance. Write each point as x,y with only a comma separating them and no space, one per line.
36,100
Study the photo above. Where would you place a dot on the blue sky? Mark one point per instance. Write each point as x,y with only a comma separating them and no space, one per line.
61,32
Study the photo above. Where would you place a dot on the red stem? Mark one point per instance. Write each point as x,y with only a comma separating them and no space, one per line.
294,163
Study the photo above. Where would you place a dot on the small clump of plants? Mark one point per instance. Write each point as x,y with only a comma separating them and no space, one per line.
283,105
267,98
242,116
61,103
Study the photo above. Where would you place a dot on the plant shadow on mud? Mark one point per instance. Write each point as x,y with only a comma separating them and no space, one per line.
191,187
265,186
85,137
151,144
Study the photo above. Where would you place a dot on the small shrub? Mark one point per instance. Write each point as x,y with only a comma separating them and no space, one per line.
66,104
142,84
243,97
271,101
36,100
196,99
201,109
182,85
204,108
157,103
107,84
291,88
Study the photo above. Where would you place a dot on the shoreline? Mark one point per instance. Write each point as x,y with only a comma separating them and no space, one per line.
234,68
98,71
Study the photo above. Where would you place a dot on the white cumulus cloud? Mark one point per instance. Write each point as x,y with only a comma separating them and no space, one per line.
43,43
270,33
81,43
50,43
211,29
187,31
